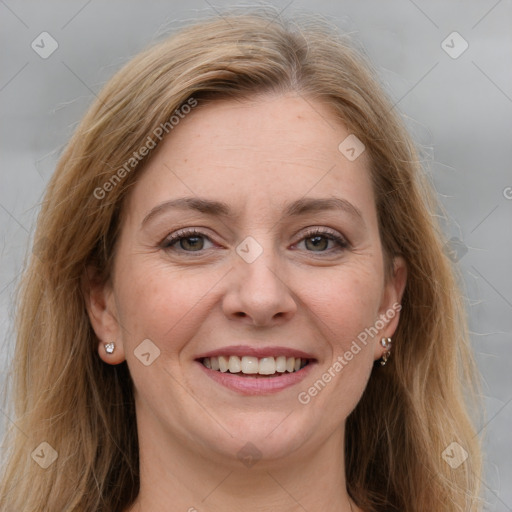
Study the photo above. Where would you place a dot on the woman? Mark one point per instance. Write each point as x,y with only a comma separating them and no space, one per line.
239,299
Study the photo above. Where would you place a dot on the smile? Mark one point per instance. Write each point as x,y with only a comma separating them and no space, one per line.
250,370
254,366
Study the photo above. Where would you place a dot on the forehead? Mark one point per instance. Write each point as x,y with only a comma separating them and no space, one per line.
256,151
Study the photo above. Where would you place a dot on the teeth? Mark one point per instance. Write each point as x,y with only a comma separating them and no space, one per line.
252,365
281,364
268,366
249,365
235,365
223,364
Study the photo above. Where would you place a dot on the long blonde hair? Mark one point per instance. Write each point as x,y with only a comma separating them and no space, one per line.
412,409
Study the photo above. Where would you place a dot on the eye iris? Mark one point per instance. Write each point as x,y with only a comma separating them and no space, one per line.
192,243
318,242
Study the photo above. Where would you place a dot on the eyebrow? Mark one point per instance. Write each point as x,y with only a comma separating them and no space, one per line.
221,209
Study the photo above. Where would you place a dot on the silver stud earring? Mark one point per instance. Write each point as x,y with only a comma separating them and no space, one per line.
386,343
109,347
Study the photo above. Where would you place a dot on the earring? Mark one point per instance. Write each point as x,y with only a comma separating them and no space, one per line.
386,343
109,347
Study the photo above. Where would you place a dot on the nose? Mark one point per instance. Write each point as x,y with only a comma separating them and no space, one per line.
258,294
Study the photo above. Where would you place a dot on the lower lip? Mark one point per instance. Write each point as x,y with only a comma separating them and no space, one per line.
259,385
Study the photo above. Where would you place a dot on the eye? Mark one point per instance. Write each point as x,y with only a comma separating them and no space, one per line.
323,240
189,240
315,240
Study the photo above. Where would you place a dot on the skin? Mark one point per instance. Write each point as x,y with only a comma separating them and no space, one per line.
257,156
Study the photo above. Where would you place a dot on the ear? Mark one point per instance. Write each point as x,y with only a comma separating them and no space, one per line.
389,311
101,308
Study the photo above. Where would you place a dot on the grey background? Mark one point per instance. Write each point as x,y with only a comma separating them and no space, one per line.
459,111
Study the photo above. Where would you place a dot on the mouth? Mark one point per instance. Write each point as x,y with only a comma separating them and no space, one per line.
250,370
250,366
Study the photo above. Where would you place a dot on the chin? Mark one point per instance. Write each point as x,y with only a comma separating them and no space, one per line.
265,436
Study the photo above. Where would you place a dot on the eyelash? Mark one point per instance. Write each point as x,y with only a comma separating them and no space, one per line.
189,233
330,235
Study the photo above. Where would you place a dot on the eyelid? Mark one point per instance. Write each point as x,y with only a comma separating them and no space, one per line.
342,242
179,234
326,232
322,230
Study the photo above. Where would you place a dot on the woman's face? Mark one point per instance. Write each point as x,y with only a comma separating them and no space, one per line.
250,236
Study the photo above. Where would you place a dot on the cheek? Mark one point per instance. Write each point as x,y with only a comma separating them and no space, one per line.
164,306
346,301
161,304
345,307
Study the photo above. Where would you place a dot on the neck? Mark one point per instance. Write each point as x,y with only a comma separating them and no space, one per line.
175,478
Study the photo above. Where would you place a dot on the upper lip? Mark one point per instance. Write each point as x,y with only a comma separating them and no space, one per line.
259,352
